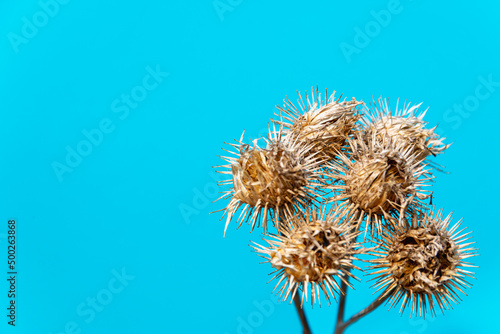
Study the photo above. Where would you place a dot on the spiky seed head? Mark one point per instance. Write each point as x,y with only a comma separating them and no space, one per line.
269,182
404,125
313,255
378,180
326,123
421,262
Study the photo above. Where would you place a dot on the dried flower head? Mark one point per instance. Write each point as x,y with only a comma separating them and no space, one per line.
312,255
280,179
378,180
405,125
324,122
421,262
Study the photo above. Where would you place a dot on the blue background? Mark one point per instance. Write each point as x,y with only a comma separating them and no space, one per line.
139,198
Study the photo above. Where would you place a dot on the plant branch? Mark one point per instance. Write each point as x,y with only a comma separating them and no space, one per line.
302,314
342,325
343,295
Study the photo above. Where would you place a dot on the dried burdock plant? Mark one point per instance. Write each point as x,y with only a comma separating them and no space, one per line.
404,125
378,179
312,256
422,261
373,173
325,122
266,183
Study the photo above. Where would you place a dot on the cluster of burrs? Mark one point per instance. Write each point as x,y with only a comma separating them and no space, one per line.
334,175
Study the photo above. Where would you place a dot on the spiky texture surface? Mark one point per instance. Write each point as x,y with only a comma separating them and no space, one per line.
325,123
377,168
421,263
312,256
405,125
378,181
269,182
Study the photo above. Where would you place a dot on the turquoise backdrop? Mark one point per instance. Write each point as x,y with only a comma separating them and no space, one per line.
112,115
